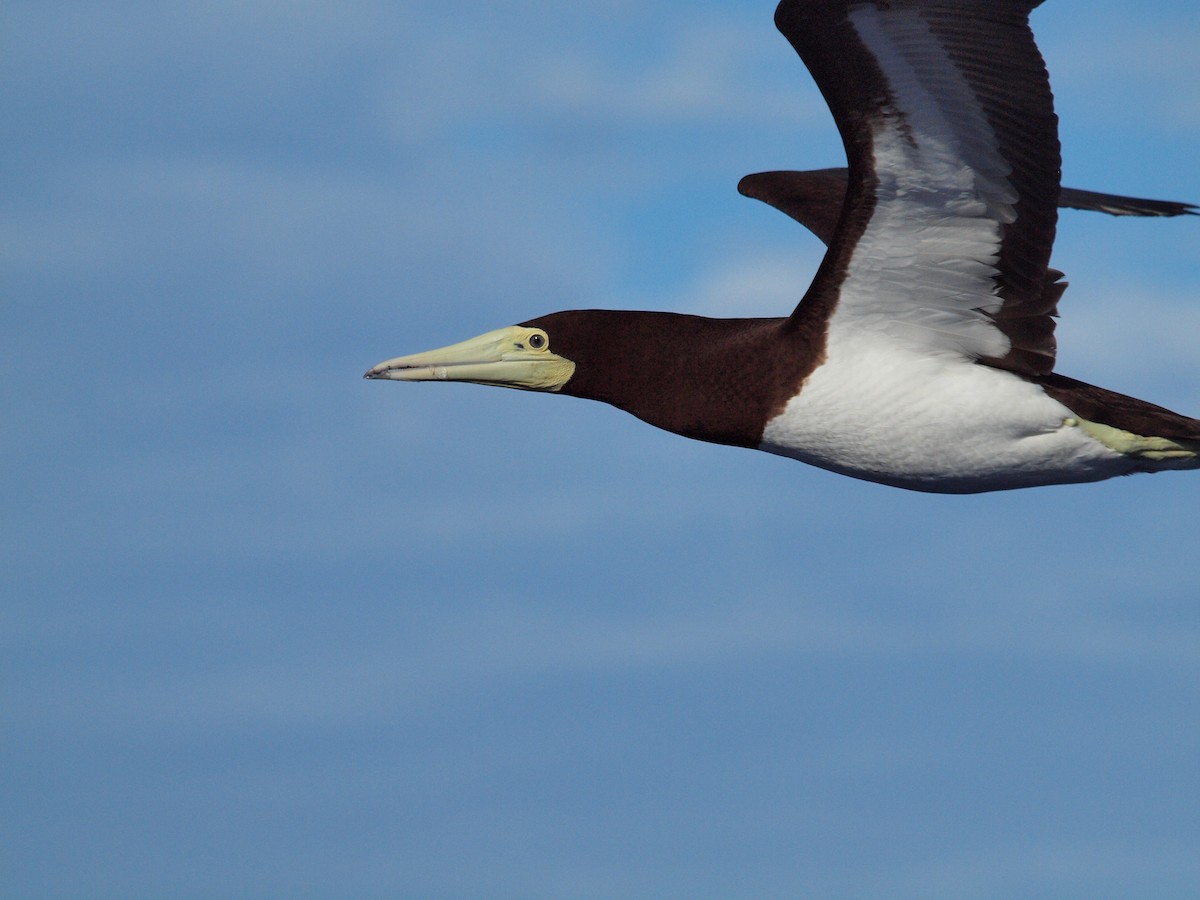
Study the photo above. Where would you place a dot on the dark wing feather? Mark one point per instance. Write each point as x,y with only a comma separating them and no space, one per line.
1073,198
814,199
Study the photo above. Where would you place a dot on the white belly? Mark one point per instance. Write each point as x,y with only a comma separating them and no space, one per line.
935,423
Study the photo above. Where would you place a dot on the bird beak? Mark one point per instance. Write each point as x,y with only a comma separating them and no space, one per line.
515,357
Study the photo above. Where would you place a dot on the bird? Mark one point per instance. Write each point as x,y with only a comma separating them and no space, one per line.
922,354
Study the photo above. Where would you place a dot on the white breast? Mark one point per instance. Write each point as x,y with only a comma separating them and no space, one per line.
934,423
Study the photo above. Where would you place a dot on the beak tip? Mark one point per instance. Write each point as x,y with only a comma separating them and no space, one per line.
377,371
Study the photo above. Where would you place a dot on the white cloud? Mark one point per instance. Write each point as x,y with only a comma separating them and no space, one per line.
227,211
766,285
709,72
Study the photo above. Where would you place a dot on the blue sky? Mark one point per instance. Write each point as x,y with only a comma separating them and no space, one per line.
269,629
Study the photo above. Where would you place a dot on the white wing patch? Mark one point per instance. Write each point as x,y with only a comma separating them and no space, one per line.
923,271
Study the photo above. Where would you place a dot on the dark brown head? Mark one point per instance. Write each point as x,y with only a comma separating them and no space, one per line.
716,380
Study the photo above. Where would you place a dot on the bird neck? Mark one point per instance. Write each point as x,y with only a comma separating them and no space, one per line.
718,380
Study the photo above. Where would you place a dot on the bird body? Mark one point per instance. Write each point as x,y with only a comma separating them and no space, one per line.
932,423
922,354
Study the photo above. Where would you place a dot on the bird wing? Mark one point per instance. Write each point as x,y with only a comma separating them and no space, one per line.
814,199
944,237
1114,205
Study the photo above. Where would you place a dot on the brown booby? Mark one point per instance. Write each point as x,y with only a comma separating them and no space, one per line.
922,354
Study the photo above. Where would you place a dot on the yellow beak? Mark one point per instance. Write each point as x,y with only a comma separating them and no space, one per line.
514,357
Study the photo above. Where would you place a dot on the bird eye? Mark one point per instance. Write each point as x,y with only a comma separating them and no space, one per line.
537,341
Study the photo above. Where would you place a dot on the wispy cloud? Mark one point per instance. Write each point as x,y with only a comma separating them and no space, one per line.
235,565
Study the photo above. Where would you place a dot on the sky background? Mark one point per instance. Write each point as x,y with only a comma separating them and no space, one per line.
267,629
